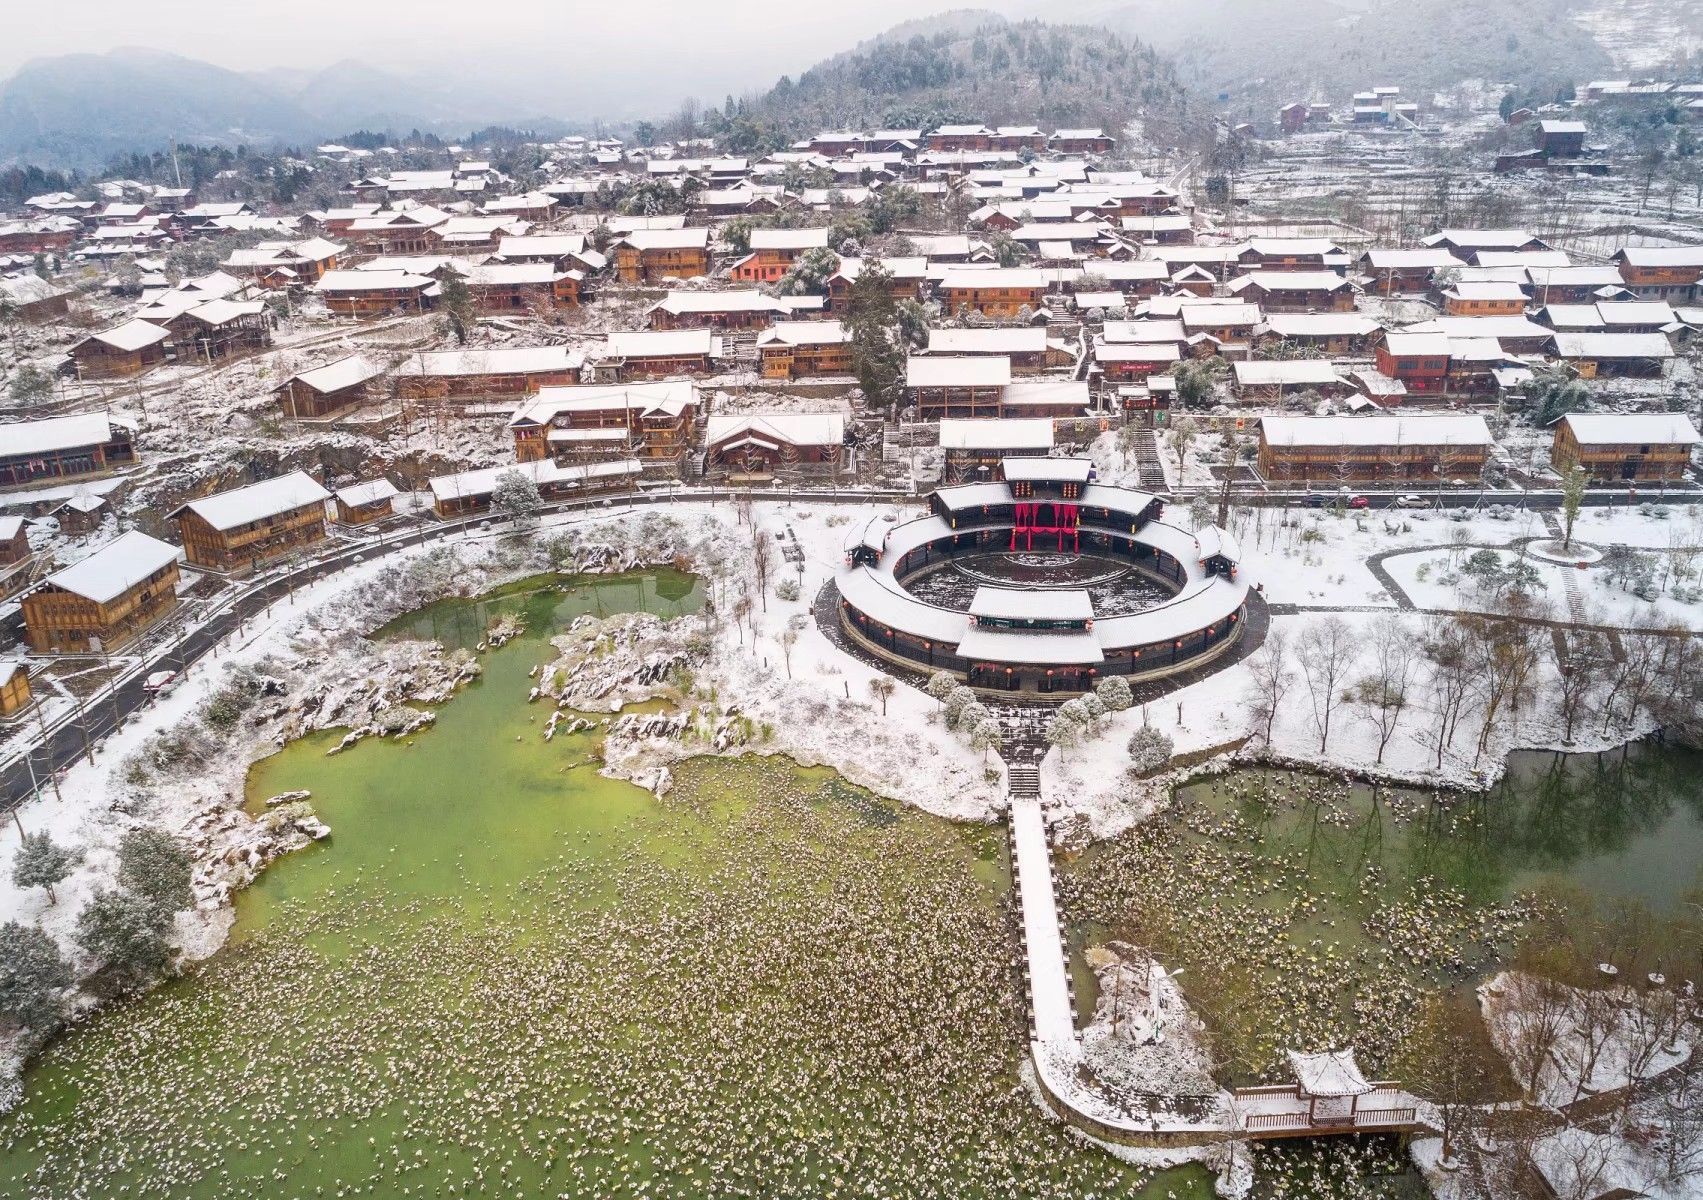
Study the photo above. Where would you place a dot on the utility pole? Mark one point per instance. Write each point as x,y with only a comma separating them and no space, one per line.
176,169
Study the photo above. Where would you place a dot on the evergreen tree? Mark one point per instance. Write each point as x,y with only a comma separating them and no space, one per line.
126,932
456,301
41,862
872,324
32,972
157,867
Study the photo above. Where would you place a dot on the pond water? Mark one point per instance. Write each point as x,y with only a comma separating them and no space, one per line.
1338,906
505,974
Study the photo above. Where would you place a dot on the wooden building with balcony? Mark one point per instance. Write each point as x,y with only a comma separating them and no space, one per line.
804,350
247,527
1398,450
326,391
774,251
498,288
60,449
377,293
100,603
1624,447
122,351
757,446
650,422
746,309
908,276
648,255
1419,360
1002,293
656,354
1671,273
503,371
1295,291
941,386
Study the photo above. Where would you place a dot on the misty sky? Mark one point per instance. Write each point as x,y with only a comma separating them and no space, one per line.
702,47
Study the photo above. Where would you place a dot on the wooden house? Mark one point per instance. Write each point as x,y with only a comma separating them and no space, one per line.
279,263
648,255
908,277
14,542
325,391
1272,380
1326,333
365,503
942,386
1015,138
1561,139
657,354
468,493
33,299
773,252
58,449
1288,254
565,251
521,287
948,138
748,309
1080,141
377,293
482,373
122,351
247,527
1484,300
974,449
1389,272
650,422
1619,447
1026,347
1226,326
755,446
1295,291
14,688
1671,273
1468,244
1419,360
81,514
220,328
1601,355
1134,362
1002,293
1571,285
101,602
804,350
1399,450
1045,397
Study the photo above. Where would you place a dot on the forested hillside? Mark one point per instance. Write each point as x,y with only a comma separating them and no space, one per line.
1021,73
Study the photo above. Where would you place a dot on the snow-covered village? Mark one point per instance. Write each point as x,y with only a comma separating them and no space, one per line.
1037,608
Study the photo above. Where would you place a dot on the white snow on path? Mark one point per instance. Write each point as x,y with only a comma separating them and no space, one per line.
1043,937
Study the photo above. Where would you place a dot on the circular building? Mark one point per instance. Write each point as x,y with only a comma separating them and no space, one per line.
1041,582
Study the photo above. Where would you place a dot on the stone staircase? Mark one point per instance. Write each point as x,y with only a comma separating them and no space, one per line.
1152,472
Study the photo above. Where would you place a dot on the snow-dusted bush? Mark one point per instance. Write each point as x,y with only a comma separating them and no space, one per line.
787,589
1114,693
1149,750
1076,712
958,700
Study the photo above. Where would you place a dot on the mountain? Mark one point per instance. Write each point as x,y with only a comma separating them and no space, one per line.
1261,53
975,66
81,109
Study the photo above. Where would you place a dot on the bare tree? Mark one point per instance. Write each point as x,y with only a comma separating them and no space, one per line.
1386,690
1506,653
1448,1059
1272,672
762,562
1452,671
1577,655
1326,655
882,688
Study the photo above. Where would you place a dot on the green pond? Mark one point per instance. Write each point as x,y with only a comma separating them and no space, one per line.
506,975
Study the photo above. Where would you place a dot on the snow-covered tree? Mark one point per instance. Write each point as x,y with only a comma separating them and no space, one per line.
41,862
32,971
1114,693
157,867
1076,711
126,932
1096,709
516,496
972,716
882,688
957,700
1149,750
940,685
1063,732
987,735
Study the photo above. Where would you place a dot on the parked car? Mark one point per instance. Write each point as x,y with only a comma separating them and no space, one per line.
159,683
1412,502
1359,502
1314,500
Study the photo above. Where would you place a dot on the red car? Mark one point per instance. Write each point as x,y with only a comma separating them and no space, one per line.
1359,502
